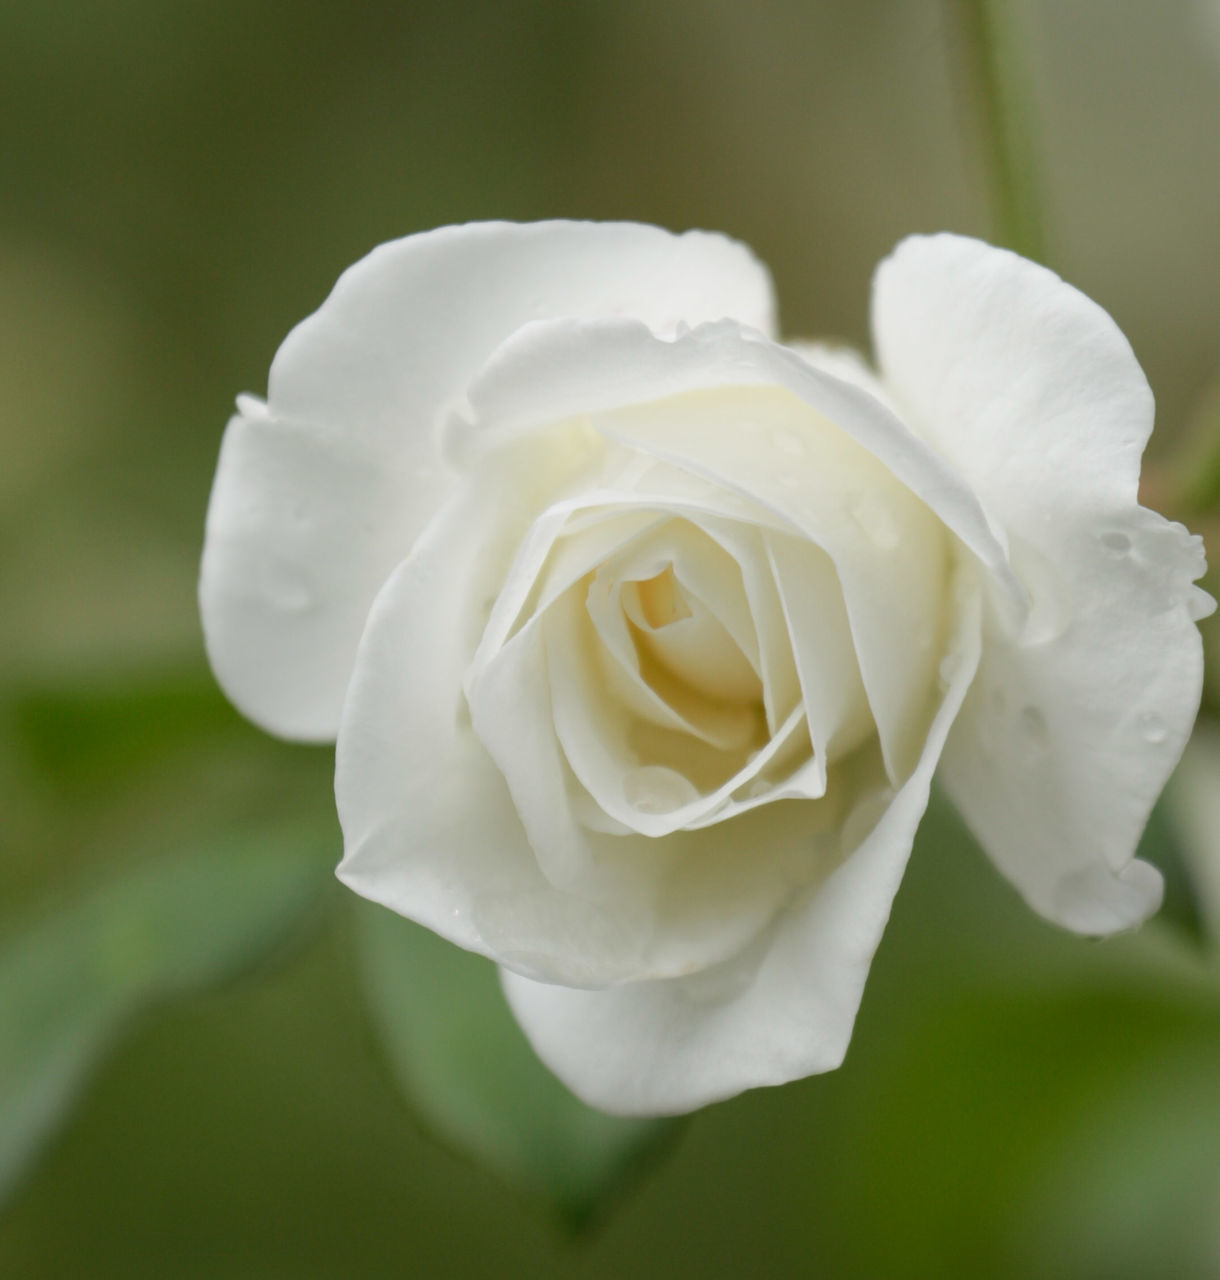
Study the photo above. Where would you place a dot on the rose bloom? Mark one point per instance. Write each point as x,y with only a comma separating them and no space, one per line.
642,634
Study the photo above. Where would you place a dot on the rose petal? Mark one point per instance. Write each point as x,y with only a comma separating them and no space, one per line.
552,371
1063,746
610,753
319,494
776,419
1032,392
782,1009
888,549
781,684
431,831
822,644
1023,383
715,648
553,557
847,364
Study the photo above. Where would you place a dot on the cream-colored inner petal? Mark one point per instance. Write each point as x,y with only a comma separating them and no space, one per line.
673,684
687,640
706,652
889,551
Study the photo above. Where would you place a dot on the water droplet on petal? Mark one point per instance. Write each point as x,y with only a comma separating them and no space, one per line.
653,789
1116,542
1152,728
948,668
1033,726
758,787
288,591
876,518
1050,613
1164,610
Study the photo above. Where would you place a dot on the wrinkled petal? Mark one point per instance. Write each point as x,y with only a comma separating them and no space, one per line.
1064,745
1033,394
322,491
783,1008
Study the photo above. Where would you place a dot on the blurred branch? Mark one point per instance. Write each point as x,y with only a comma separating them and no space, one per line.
997,93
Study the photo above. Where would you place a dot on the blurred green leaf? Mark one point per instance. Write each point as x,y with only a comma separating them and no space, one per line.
991,1078
468,1069
1193,801
72,980
99,765
83,736
1135,1189
1162,846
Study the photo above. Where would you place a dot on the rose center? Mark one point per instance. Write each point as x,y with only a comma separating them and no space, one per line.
661,600
675,628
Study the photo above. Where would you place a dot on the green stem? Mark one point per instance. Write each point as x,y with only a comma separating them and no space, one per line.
995,76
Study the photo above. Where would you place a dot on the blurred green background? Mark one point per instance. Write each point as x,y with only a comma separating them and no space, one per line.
179,184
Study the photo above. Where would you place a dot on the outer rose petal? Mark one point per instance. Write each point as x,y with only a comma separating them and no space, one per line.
782,1010
845,363
566,368
1033,394
319,494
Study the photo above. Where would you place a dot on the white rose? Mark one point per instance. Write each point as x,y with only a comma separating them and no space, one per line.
642,634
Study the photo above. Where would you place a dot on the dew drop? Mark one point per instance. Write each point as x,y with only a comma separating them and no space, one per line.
1152,728
1049,611
1033,726
652,789
289,592
1116,542
758,787
1164,610
948,668
876,519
